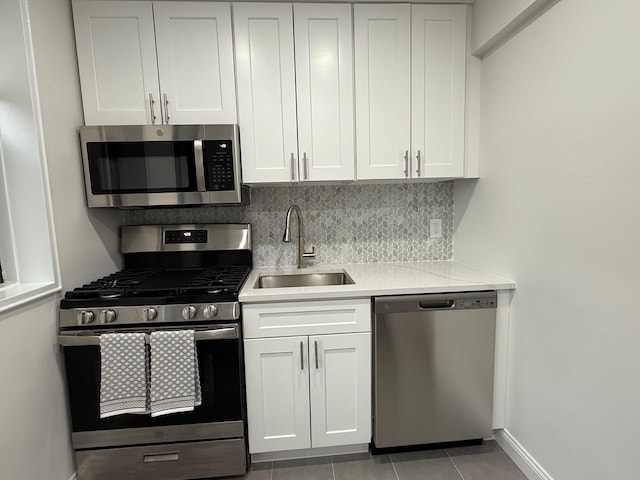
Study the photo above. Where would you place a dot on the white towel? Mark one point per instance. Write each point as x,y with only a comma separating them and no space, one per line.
175,380
123,376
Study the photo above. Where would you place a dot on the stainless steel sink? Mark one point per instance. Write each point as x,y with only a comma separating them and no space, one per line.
304,280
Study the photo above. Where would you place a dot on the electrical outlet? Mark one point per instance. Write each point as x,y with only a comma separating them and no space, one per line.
435,228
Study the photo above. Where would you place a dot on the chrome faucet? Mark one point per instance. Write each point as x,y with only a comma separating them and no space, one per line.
287,235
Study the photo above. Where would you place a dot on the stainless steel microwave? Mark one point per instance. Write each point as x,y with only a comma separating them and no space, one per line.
148,165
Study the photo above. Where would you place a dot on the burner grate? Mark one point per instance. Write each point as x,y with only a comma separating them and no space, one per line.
163,284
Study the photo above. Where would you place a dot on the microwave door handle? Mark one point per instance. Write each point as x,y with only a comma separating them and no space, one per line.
199,159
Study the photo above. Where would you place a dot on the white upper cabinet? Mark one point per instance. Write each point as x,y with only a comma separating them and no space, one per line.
117,61
438,60
195,62
152,63
383,90
410,84
265,76
324,87
295,93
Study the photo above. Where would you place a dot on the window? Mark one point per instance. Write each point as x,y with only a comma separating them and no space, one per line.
6,250
27,243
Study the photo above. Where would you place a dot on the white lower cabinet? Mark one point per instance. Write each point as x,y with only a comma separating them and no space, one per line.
309,391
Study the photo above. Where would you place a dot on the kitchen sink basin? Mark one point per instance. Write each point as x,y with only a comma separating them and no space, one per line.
304,280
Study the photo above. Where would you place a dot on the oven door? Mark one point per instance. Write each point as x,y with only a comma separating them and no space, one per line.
220,416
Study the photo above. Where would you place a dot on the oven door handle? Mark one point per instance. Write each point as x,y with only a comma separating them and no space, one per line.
199,335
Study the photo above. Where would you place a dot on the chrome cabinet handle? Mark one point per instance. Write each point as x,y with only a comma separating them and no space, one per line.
316,349
418,160
406,163
301,357
166,108
152,109
305,164
293,170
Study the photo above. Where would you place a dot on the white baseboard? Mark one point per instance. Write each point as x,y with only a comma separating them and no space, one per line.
308,453
523,459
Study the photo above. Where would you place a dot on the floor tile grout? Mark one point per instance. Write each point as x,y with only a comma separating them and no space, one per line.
333,470
393,465
455,466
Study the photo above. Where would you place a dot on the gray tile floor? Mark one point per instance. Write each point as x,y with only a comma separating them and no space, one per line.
482,462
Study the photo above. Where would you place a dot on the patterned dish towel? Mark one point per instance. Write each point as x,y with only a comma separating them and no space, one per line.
175,380
123,382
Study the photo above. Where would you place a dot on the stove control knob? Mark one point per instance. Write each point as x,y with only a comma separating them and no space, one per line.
108,316
149,314
85,317
210,311
189,312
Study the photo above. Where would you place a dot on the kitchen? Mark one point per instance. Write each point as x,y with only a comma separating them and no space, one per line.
557,97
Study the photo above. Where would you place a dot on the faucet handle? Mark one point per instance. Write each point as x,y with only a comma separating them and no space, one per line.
311,254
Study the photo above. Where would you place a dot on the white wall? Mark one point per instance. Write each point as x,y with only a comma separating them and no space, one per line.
556,209
34,443
495,20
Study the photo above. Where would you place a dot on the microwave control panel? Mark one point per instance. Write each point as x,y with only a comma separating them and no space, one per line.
219,165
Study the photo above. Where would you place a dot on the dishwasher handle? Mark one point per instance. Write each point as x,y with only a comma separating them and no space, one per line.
436,304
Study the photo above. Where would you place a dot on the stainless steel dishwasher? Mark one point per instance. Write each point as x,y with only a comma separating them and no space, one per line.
433,368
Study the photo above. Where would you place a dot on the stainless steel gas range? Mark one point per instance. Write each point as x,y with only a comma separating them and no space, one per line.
175,277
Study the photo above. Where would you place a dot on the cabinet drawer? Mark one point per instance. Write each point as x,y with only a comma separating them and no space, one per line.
306,318
164,462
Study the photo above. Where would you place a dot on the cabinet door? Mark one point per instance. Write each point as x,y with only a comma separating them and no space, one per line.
383,90
340,391
266,91
277,379
324,86
195,61
117,62
438,90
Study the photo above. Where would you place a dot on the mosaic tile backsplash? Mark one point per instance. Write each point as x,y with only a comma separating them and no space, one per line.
346,223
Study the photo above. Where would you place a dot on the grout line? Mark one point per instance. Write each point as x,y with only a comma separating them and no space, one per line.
333,471
393,465
454,464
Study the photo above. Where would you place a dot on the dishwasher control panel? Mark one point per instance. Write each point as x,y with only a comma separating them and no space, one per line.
475,303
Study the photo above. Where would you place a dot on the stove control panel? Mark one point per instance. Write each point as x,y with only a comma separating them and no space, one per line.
185,236
129,315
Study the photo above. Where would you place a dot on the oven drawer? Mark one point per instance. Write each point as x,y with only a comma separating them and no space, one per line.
164,462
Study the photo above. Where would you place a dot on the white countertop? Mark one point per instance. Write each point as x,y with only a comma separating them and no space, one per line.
373,279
